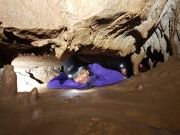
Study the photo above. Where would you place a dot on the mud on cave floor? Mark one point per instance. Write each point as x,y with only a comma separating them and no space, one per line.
145,104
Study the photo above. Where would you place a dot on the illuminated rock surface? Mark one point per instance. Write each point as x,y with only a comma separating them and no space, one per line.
130,28
145,104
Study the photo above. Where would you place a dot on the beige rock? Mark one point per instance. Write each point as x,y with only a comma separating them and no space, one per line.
52,13
124,26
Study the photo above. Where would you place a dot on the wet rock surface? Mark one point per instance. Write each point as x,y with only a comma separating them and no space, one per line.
146,104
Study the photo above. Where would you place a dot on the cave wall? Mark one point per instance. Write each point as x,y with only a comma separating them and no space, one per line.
161,41
32,13
54,13
176,40
138,29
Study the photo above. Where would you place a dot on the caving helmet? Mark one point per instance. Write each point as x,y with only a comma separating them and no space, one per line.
72,66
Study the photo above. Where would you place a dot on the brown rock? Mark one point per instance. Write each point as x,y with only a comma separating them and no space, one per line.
9,81
33,96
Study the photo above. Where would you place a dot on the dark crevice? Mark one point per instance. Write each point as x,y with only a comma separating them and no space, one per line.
160,28
24,48
126,26
178,35
36,50
7,57
28,36
139,39
10,51
104,21
32,76
106,58
169,46
11,38
155,56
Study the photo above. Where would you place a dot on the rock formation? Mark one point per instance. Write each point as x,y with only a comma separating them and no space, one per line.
136,29
8,88
92,29
9,81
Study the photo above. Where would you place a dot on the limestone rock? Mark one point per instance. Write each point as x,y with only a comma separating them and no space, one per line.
130,28
177,31
9,80
32,13
53,13
43,74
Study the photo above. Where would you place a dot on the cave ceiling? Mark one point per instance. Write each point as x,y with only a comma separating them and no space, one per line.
122,27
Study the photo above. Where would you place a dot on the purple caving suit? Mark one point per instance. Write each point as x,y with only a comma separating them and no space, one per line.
99,76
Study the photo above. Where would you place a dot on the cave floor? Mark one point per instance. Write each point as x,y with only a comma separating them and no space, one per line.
145,104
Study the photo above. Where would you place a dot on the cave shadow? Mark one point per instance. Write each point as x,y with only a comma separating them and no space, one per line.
10,51
154,56
107,58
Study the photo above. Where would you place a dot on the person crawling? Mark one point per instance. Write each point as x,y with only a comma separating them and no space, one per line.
79,76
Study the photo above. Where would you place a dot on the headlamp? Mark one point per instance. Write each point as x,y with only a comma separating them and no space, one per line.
121,65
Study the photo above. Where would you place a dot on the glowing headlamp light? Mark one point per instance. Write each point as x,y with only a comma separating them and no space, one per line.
121,66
